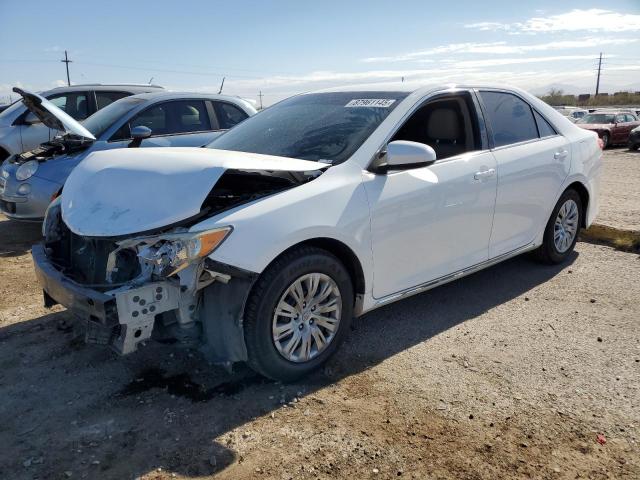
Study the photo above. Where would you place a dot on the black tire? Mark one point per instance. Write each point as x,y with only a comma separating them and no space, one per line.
547,252
264,358
634,146
606,139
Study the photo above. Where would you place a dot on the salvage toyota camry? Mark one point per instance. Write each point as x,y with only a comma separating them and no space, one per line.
327,205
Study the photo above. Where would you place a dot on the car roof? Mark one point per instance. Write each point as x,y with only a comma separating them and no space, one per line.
125,87
161,95
413,88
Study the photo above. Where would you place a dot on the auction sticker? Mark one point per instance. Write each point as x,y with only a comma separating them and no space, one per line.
371,102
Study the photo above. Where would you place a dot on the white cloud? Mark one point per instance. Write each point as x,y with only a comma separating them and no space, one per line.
593,19
499,48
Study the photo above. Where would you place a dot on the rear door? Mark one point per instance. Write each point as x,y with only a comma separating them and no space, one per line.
532,161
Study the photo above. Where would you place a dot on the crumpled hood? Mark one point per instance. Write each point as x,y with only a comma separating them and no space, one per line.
126,191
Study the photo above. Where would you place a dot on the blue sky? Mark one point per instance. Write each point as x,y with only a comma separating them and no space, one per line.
286,47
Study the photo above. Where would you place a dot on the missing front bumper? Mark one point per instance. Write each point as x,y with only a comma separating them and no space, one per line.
121,319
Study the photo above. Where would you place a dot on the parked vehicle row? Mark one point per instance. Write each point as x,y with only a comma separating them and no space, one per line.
612,126
21,130
30,180
262,246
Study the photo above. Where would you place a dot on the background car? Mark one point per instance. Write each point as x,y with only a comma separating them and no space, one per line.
21,131
634,139
29,181
612,126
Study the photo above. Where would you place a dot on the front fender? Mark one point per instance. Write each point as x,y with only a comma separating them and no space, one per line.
332,206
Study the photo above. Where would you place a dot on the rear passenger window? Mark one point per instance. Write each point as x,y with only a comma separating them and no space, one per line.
544,128
190,116
511,119
73,104
228,115
105,98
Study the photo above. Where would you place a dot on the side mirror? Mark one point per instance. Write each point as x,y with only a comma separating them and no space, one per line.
31,119
138,134
402,155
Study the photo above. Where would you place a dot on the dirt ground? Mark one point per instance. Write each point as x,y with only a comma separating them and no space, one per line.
620,202
519,371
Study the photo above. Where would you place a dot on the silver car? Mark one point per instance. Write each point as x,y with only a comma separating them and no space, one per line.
21,131
31,180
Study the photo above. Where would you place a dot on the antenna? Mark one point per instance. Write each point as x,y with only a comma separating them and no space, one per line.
221,85
260,95
67,61
151,80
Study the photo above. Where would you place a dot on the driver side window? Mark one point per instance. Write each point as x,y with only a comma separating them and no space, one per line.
445,124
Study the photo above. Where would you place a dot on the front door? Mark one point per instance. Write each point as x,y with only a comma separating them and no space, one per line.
432,221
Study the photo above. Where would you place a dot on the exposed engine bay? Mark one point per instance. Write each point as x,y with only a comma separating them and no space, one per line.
62,145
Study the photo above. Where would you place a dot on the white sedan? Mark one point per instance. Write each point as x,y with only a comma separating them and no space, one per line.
262,247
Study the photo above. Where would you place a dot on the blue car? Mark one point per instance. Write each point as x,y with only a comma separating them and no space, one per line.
30,180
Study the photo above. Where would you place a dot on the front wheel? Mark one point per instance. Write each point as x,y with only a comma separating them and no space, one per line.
298,313
605,140
561,232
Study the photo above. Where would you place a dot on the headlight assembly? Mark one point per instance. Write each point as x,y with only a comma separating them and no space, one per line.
170,253
27,169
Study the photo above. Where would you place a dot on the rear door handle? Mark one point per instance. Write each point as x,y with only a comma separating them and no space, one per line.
485,174
560,155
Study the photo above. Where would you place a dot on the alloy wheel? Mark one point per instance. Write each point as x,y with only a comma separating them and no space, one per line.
307,317
566,226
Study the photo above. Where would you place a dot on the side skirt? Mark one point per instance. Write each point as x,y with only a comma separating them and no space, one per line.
449,278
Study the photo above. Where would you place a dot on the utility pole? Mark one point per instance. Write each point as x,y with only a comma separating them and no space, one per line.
260,96
598,81
67,61
221,85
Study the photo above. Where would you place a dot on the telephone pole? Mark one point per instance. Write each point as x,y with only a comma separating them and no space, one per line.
260,96
598,81
67,62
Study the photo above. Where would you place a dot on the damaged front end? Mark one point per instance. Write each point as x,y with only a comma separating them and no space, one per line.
126,289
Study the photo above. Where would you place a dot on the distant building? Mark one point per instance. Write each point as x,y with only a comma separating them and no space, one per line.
583,97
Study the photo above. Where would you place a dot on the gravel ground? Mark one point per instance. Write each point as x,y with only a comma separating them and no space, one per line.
519,371
620,201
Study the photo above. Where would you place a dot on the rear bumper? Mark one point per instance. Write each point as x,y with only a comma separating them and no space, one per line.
120,319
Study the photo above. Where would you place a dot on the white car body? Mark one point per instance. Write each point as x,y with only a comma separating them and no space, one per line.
406,231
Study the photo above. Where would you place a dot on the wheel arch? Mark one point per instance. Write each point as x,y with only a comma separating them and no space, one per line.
581,189
344,253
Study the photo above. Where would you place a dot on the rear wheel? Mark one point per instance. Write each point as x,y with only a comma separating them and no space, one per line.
298,313
605,140
561,232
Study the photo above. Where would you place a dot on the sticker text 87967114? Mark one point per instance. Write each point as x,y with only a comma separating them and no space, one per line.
371,102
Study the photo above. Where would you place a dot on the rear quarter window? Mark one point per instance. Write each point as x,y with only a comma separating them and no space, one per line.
511,118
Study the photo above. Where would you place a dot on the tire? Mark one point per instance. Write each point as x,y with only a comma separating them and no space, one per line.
634,146
552,252
267,355
605,140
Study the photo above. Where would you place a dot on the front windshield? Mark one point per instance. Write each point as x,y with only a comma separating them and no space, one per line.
99,122
319,126
597,118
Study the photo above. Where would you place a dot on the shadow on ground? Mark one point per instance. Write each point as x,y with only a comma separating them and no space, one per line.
16,238
68,407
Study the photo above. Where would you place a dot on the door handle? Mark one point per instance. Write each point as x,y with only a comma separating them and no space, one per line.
485,174
560,155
